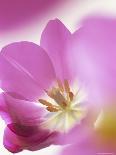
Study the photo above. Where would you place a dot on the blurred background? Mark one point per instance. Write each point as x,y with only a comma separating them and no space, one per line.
26,19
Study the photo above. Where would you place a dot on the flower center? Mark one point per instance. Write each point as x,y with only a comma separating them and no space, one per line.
63,106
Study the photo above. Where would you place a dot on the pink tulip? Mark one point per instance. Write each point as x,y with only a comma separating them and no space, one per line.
95,43
43,98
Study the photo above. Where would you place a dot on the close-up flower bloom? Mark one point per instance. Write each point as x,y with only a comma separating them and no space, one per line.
63,91
57,77
42,97
97,57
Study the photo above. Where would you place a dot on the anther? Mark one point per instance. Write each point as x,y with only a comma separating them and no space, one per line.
71,95
66,85
44,102
61,94
52,109
64,104
60,85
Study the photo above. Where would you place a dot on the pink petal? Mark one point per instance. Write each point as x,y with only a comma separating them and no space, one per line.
94,48
92,144
34,141
44,141
11,141
74,149
21,111
25,69
54,40
22,130
23,120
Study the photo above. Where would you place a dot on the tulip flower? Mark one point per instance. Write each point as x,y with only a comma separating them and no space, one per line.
42,97
97,58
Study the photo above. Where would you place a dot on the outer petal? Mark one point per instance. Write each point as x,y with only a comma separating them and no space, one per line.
54,40
25,69
24,120
34,141
11,142
94,48
21,111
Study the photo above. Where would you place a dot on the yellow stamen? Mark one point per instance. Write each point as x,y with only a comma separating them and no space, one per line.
71,95
56,95
53,92
66,85
64,104
60,85
61,102
44,102
53,109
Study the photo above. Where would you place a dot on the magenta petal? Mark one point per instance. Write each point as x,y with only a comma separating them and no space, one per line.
21,111
25,69
54,40
22,130
11,141
34,141
44,141
4,113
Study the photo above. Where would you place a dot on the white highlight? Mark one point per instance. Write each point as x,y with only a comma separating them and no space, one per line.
1,90
97,122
